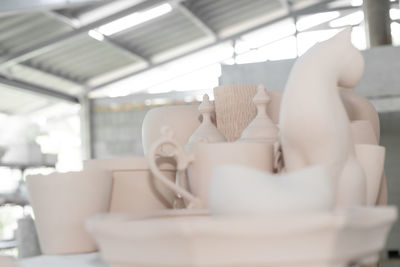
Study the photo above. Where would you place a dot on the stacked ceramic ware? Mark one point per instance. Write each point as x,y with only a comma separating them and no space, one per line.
253,178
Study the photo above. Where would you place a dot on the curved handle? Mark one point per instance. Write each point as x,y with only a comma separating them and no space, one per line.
182,160
278,158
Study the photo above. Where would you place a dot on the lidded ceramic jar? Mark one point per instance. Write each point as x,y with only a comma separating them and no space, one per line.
261,129
207,132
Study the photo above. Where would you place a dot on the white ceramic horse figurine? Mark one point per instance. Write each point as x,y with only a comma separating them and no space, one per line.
315,129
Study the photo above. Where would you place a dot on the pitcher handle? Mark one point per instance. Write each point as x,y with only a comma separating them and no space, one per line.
182,160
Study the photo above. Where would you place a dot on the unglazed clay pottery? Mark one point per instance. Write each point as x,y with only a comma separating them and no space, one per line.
234,108
261,129
315,128
243,191
7,262
360,108
207,132
62,202
183,119
123,164
363,133
202,158
372,159
383,192
27,239
134,187
330,239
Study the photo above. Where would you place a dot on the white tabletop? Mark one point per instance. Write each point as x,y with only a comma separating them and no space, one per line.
76,260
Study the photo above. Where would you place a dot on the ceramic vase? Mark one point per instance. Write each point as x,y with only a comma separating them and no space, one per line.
62,202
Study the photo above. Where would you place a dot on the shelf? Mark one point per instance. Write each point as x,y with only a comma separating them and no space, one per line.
7,244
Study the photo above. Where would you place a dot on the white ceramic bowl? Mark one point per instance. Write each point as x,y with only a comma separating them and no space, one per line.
324,239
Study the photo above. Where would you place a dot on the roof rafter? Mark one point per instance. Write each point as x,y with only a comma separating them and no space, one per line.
21,85
74,23
196,20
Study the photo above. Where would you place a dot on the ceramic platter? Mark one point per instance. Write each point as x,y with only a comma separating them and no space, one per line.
194,238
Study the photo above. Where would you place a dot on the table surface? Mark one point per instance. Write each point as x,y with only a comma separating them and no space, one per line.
76,260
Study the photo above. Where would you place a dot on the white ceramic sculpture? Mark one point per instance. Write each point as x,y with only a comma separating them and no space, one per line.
315,128
242,191
62,202
261,129
207,132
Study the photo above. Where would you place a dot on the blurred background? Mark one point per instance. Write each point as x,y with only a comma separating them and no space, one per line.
78,76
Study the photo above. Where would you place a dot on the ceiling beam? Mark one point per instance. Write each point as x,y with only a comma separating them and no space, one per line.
21,85
48,45
75,24
287,5
307,10
16,6
326,24
322,7
196,20
52,73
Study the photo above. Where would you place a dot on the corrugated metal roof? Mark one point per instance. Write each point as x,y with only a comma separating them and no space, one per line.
81,58
14,101
19,32
168,32
226,13
44,79
72,59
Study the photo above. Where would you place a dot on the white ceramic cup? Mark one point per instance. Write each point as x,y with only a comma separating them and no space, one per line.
62,202
201,159
372,159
